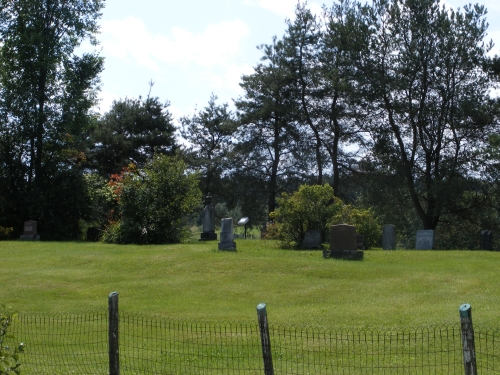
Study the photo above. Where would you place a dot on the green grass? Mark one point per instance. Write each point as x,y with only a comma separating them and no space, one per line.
196,282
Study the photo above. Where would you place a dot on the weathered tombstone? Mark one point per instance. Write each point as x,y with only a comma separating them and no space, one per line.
208,233
486,240
343,243
312,240
226,235
30,231
389,237
360,242
425,240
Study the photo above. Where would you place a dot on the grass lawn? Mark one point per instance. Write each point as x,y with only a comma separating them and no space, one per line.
196,282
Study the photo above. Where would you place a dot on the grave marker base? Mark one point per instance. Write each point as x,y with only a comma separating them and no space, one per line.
344,254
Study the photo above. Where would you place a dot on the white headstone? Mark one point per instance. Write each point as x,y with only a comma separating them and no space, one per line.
226,235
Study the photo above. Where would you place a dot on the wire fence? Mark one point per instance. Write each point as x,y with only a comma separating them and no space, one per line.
78,344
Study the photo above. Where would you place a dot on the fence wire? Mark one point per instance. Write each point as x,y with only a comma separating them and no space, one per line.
78,344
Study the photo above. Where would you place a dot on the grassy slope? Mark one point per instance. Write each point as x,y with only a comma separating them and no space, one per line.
194,281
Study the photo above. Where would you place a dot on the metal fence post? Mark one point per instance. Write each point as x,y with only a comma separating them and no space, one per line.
265,339
469,350
114,359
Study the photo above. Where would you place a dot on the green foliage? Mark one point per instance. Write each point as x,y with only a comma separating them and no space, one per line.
132,131
209,133
5,232
366,223
316,208
112,233
102,202
311,207
60,206
46,99
9,358
154,203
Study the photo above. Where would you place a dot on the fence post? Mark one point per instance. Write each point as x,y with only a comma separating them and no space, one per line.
469,350
265,339
114,359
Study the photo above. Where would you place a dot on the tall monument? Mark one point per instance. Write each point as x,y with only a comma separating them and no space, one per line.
208,233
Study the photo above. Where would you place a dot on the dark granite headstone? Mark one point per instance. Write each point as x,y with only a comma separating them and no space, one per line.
208,233
424,240
226,235
312,240
486,240
389,237
30,231
343,243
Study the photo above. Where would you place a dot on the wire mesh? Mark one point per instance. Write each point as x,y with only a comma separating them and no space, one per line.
62,343
78,344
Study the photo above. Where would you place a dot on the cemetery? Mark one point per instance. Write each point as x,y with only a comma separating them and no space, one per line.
345,201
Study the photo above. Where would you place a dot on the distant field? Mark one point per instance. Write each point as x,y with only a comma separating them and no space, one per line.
196,282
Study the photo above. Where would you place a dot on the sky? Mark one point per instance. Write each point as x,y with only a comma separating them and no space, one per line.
192,49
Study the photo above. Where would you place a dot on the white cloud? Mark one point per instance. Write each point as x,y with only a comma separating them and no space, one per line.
283,7
130,39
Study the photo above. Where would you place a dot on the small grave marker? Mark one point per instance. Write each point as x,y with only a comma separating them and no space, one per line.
226,235
424,240
486,240
30,231
389,237
312,240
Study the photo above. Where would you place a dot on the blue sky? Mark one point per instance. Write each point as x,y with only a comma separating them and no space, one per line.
193,48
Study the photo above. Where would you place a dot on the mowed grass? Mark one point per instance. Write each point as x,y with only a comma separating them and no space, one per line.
196,282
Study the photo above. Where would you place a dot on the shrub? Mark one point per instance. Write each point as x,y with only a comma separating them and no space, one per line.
310,208
9,358
365,222
154,202
316,208
5,233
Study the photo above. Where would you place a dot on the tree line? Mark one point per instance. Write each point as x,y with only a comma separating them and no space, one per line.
390,103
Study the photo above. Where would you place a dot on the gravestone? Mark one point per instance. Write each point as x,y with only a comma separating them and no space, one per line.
360,242
312,240
486,240
425,240
343,243
226,235
30,231
389,237
208,233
